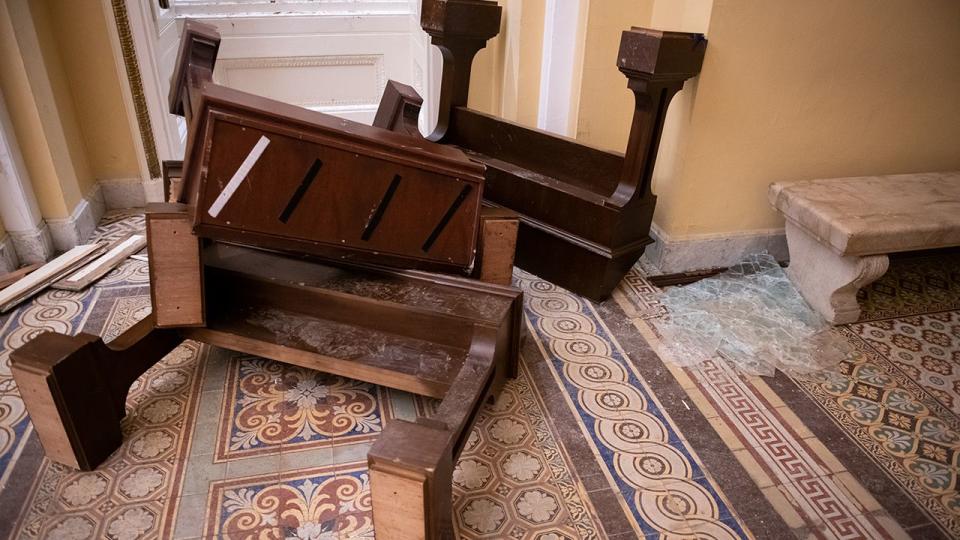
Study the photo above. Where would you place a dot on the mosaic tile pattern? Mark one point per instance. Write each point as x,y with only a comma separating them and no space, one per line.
224,445
896,399
126,496
271,403
317,504
899,424
925,347
913,285
300,470
663,486
768,439
513,479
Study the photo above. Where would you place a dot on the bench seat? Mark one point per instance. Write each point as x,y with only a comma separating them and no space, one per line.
839,231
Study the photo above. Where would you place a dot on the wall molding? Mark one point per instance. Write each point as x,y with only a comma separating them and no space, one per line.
135,86
32,246
125,192
76,229
8,255
286,8
672,255
375,61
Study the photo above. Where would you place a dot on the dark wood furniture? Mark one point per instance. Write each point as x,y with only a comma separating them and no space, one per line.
585,213
448,337
266,173
442,336
313,183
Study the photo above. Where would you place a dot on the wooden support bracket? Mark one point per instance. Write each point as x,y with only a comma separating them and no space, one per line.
75,387
459,28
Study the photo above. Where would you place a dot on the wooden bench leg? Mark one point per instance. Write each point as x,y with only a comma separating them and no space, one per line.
829,282
75,388
411,464
411,475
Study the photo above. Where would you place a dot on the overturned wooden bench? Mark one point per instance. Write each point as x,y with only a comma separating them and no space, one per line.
840,231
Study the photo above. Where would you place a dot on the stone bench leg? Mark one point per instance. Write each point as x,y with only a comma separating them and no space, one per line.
829,282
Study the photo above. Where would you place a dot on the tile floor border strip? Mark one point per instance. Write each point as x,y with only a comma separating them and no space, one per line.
785,457
786,460
610,510
675,387
611,397
22,474
184,445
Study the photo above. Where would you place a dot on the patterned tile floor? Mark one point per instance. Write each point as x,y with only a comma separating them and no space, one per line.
600,436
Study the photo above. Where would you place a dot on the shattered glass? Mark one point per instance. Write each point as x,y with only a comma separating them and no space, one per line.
752,316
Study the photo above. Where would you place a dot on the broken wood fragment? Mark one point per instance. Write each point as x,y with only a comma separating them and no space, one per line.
9,279
101,266
41,278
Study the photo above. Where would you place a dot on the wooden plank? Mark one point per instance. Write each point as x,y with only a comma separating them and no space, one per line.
176,273
102,265
498,244
46,274
9,279
398,505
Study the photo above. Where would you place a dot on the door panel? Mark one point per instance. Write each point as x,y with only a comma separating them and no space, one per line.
337,65
330,56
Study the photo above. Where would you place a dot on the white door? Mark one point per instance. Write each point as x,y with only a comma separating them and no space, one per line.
333,56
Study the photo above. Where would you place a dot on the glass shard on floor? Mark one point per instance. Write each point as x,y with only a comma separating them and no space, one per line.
752,316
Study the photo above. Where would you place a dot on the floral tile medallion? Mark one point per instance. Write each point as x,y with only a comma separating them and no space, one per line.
269,404
325,503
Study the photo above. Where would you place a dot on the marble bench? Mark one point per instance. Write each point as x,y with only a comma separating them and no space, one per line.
840,230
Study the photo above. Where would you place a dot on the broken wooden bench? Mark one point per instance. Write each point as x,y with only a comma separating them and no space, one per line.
446,337
840,231
278,249
585,213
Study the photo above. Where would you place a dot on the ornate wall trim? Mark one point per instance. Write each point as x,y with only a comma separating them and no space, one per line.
136,86
374,61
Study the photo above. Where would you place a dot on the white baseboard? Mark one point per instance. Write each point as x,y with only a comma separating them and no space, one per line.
153,190
702,252
76,229
8,255
124,193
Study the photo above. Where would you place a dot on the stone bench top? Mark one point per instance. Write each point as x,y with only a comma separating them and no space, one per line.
871,215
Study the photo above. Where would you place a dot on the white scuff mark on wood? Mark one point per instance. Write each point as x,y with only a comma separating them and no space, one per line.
238,177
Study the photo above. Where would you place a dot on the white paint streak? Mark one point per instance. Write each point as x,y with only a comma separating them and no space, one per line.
238,177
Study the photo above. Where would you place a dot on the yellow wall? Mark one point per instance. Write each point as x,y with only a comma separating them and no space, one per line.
814,89
606,105
67,150
505,79
24,113
63,94
84,47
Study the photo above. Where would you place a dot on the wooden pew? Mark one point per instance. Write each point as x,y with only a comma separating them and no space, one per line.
585,213
444,336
